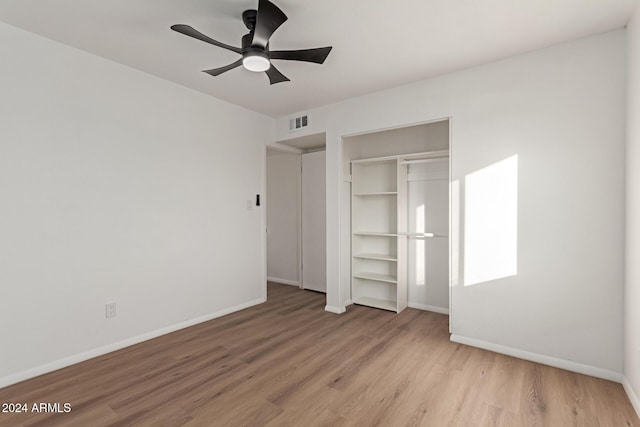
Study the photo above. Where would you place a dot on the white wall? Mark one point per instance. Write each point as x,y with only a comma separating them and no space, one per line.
632,279
117,186
283,217
561,111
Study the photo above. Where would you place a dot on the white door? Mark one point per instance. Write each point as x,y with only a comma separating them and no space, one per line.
314,240
428,212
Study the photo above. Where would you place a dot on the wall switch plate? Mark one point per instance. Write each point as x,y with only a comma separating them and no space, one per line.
249,204
110,310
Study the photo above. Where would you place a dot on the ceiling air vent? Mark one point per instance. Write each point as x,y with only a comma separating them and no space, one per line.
298,123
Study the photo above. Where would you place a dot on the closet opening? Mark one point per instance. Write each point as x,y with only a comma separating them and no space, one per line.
395,222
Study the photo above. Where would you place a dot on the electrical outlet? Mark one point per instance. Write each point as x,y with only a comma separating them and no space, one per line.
110,310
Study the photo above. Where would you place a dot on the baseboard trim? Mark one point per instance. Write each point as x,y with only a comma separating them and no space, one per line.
541,358
335,310
81,357
433,308
633,397
283,281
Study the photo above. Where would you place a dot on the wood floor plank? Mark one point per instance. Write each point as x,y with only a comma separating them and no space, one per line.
287,362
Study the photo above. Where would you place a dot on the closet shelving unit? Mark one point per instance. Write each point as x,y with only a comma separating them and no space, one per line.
378,251
378,230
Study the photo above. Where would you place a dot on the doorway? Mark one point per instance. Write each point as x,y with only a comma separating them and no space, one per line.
296,212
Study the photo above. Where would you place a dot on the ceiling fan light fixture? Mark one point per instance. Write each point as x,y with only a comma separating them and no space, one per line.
256,62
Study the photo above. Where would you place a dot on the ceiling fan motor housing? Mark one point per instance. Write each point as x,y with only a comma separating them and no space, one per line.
248,48
254,58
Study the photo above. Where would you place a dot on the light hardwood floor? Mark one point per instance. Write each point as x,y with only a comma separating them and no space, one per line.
289,363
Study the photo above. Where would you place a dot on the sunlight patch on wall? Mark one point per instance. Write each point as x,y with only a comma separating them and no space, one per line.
455,231
491,223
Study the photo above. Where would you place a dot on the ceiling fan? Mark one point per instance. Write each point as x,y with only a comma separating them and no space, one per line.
256,56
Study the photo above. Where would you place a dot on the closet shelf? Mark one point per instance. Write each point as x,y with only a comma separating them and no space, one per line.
376,276
376,193
382,257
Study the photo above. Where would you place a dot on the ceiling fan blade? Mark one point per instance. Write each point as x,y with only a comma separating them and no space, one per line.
317,55
220,70
269,18
191,32
275,76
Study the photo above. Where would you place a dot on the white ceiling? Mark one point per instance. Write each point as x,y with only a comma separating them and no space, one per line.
376,44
